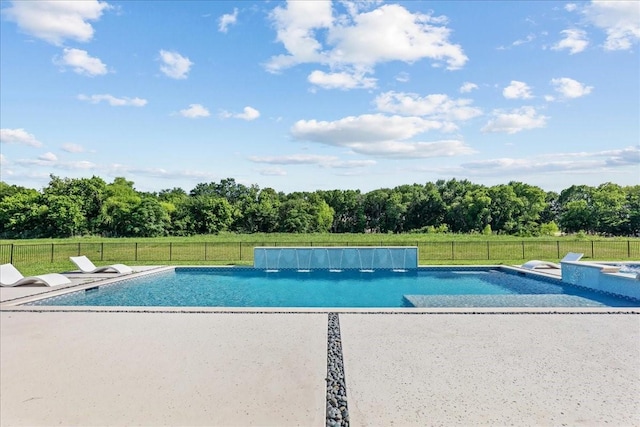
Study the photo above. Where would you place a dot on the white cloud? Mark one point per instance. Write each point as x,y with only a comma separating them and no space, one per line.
72,148
626,156
81,62
294,159
3,160
412,150
248,114
517,90
362,39
87,168
174,65
18,136
528,39
392,33
351,164
194,111
272,172
515,121
341,80
113,101
379,135
313,159
570,7
296,25
574,40
581,162
192,175
51,160
570,88
55,21
226,20
48,157
403,77
364,128
468,87
619,19
435,106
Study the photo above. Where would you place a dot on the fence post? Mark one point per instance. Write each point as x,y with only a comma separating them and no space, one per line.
240,251
558,248
170,251
79,248
11,254
592,254
101,251
52,252
205,251
453,255
136,252
488,255
523,249
628,248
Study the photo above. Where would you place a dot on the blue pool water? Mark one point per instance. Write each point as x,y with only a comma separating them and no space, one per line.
224,287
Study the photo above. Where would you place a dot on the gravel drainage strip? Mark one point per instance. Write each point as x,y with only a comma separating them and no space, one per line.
337,410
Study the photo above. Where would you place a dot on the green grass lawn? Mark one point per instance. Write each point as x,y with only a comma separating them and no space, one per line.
39,256
318,238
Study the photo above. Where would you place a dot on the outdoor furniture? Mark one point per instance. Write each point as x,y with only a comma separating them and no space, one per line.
86,266
533,264
10,276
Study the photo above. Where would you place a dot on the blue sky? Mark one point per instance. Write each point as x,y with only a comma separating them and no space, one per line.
313,95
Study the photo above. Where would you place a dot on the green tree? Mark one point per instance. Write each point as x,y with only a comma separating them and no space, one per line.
633,208
425,209
89,193
576,216
149,218
62,217
456,196
532,203
265,213
121,200
7,190
576,209
295,216
348,210
505,208
208,214
610,209
21,214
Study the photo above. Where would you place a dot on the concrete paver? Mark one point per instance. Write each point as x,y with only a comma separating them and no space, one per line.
77,278
162,369
513,369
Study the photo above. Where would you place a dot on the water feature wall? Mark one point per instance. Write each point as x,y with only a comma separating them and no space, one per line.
363,258
601,277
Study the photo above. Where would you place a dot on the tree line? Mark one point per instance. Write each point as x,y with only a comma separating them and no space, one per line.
90,206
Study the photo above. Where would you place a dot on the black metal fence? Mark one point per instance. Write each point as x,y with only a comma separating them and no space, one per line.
242,252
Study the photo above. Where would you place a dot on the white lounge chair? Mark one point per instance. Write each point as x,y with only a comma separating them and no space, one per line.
86,266
534,263
10,276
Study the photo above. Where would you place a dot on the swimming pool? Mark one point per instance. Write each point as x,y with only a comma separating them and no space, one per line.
423,287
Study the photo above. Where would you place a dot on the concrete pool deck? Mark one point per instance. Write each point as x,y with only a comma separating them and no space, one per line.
206,367
242,369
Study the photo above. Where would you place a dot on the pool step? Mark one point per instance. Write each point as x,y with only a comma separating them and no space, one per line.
541,300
